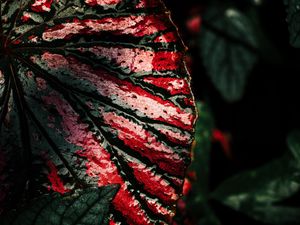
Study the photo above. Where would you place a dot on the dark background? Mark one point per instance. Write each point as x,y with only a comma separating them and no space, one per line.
259,123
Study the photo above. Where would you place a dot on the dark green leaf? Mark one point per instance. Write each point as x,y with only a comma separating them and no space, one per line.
293,19
197,200
201,149
276,215
228,49
271,183
258,192
85,207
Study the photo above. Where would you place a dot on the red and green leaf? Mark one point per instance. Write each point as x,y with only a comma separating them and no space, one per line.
94,93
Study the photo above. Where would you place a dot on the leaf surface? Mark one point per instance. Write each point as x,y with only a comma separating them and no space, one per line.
228,50
259,192
261,185
85,207
94,93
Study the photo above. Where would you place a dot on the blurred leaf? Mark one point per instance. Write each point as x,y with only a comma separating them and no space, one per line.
265,185
228,49
293,19
268,51
86,207
276,215
201,148
255,192
294,145
197,201
209,219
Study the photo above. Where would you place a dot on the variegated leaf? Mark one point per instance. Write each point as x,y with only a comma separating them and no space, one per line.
94,92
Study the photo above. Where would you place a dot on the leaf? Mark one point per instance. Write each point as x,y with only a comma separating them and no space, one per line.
201,149
94,93
294,145
228,49
293,18
197,200
257,192
86,207
277,215
260,186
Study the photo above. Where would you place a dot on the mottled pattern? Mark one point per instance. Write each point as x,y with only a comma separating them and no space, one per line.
94,92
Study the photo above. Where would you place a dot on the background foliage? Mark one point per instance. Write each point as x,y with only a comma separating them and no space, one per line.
244,62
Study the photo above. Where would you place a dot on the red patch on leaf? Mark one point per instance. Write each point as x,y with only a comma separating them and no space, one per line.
174,86
42,5
26,17
167,60
56,183
111,222
167,38
136,26
102,2
148,3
